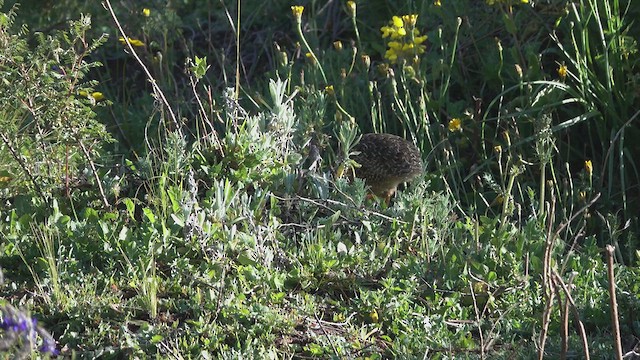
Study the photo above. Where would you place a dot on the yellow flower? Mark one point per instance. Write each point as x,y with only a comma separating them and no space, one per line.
405,41
351,8
146,12
329,90
419,39
410,20
582,195
374,316
337,45
588,166
562,71
134,42
310,57
437,3
297,13
497,149
97,95
455,125
397,21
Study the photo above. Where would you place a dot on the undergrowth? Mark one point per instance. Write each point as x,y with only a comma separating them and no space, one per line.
182,186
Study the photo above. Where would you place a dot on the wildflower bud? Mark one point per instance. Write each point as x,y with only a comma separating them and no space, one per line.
507,138
329,90
366,60
497,149
437,3
283,58
337,45
373,315
588,166
582,196
562,71
146,12
409,72
297,13
340,171
343,73
310,57
410,20
157,58
351,8
383,69
518,70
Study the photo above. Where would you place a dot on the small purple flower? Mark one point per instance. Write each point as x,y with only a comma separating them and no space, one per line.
20,332
49,346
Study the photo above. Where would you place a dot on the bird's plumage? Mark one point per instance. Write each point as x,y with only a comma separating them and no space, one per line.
386,161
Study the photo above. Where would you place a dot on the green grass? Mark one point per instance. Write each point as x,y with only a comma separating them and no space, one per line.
205,208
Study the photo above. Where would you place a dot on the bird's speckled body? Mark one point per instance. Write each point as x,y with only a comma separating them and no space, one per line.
386,161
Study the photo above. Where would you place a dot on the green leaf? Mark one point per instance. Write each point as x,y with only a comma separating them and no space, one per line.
178,220
131,207
148,213
200,68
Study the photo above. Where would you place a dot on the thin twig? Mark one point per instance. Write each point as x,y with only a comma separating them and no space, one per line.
95,174
320,202
324,332
546,279
613,302
564,326
205,118
478,320
24,167
576,315
153,81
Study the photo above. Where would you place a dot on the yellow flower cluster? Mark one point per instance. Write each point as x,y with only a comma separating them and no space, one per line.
405,41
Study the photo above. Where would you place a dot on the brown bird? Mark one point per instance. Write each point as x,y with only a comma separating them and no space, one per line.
386,161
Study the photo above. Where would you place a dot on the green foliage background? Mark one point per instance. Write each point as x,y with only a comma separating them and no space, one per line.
180,203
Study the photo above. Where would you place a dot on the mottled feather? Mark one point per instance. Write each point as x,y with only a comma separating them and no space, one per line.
386,161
